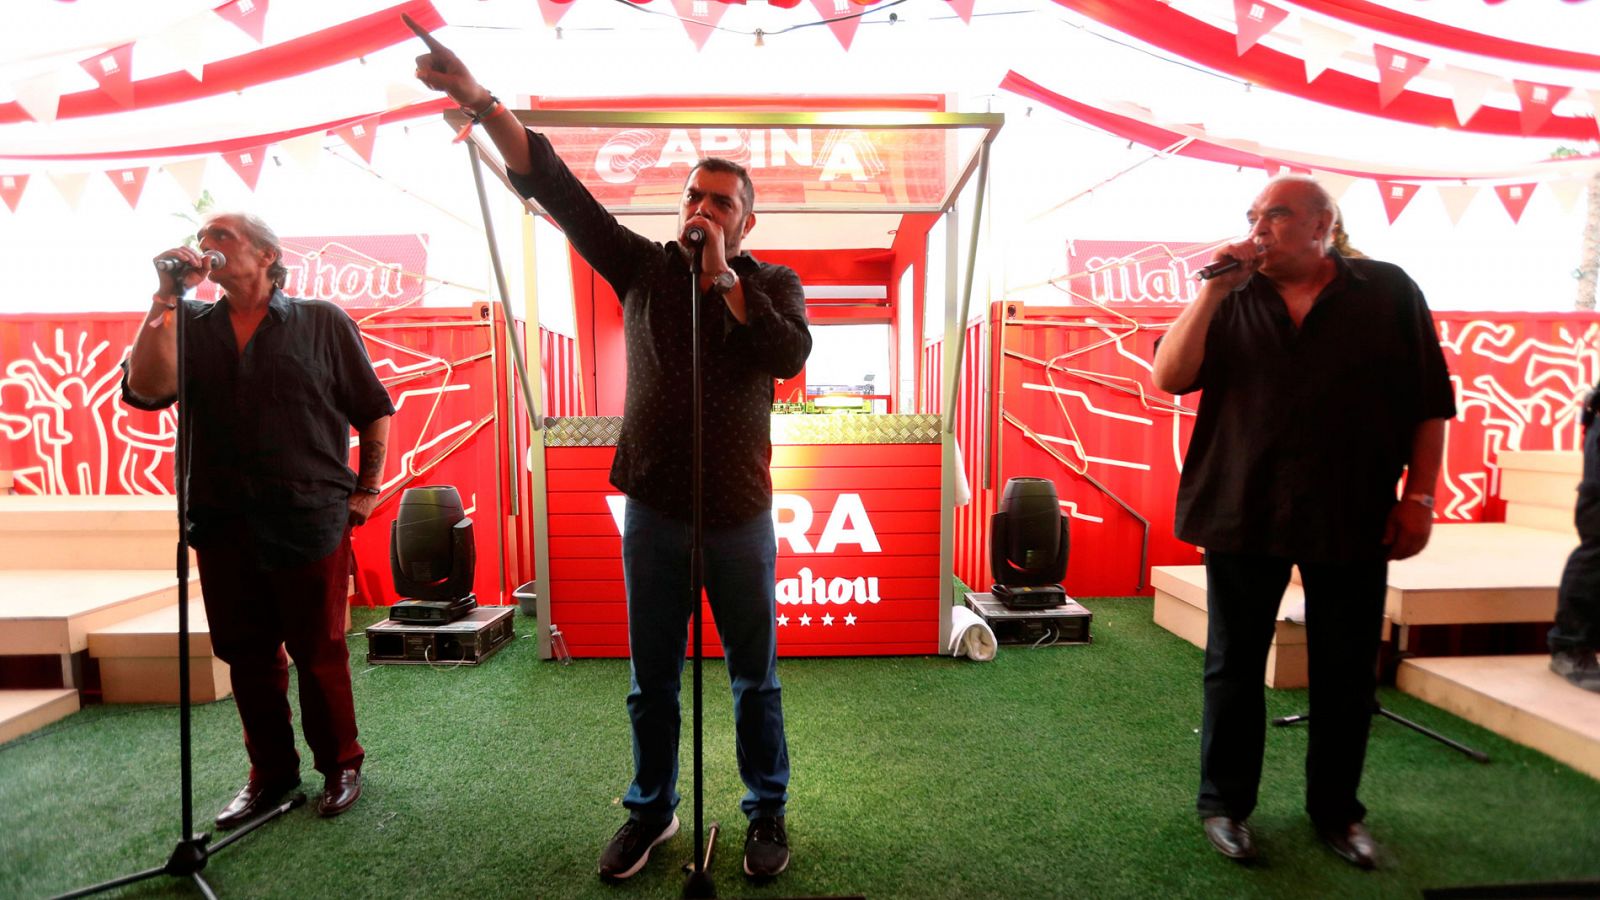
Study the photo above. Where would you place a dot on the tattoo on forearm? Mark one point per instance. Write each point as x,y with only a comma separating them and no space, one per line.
372,453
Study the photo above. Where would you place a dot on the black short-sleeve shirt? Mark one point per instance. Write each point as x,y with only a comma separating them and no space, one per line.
270,427
1302,433
739,361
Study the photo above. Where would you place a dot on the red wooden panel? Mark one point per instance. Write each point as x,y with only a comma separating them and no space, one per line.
579,457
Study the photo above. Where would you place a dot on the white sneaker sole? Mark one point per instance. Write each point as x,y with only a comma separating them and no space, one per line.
665,835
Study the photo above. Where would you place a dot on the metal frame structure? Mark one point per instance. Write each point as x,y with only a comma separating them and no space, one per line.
956,313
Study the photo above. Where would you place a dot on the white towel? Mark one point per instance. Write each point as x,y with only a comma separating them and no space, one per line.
971,636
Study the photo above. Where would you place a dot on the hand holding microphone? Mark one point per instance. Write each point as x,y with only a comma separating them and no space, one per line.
177,265
1229,259
182,268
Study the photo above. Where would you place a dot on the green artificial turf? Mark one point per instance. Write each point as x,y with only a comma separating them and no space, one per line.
1052,772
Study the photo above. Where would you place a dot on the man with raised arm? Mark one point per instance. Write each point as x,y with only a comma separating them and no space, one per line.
1323,383
752,330
274,386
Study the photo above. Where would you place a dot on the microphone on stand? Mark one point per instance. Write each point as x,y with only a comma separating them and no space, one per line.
694,236
177,266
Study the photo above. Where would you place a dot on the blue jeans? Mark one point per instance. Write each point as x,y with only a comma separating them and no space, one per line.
740,579
1577,625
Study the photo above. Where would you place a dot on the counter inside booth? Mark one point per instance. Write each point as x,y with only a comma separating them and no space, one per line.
856,511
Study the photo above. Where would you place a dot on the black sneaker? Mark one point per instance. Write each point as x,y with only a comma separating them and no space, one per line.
1578,667
630,847
766,847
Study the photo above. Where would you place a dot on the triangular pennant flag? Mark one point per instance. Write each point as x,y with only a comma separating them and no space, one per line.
113,71
1537,102
190,175
1322,46
1567,191
185,45
1335,183
70,186
1514,197
1276,167
963,9
11,187
39,96
1395,70
699,18
553,10
404,93
1468,87
1396,194
130,182
247,164
360,135
305,150
1254,20
249,15
1456,198
842,19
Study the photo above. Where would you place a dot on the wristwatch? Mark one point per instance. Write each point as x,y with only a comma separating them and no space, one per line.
1424,500
724,281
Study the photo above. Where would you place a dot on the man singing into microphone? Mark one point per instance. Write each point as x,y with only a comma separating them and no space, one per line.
752,329
1323,382
274,386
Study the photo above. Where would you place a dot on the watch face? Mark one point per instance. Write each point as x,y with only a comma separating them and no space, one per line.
724,281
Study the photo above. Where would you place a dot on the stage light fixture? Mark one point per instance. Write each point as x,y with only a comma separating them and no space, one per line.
1028,542
432,556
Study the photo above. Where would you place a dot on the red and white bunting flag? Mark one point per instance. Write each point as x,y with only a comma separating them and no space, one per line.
1514,197
1322,46
360,135
553,10
70,186
1396,194
39,96
699,18
842,18
249,15
247,164
1395,69
1254,19
11,187
189,174
113,71
1335,183
1276,167
963,9
1537,102
1468,87
1457,197
130,182
1566,191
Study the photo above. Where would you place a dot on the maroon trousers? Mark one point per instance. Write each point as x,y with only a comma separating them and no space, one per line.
256,614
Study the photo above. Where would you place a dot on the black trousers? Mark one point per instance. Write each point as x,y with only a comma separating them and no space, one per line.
1344,620
1578,601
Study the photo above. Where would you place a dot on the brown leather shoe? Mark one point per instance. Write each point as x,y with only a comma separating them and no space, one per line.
253,799
339,793
1354,844
1231,837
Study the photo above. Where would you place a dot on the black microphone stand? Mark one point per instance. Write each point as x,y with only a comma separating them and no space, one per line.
699,883
192,851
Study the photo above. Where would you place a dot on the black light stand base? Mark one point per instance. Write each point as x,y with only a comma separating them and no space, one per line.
1377,709
700,883
190,856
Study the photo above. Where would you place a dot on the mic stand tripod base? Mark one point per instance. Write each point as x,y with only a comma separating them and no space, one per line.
700,883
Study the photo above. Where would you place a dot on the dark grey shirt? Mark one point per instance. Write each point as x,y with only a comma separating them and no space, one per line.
270,428
1302,433
738,361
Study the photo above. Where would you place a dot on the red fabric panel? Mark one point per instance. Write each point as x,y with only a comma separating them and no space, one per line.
342,42
1157,24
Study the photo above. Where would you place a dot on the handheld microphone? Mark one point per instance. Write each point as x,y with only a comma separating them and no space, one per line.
177,266
1217,268
694,236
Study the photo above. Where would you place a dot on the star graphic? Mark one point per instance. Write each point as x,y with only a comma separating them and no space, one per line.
827,619
850,618
782,621
805,620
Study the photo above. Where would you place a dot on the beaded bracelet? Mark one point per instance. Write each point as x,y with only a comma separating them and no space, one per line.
494,106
